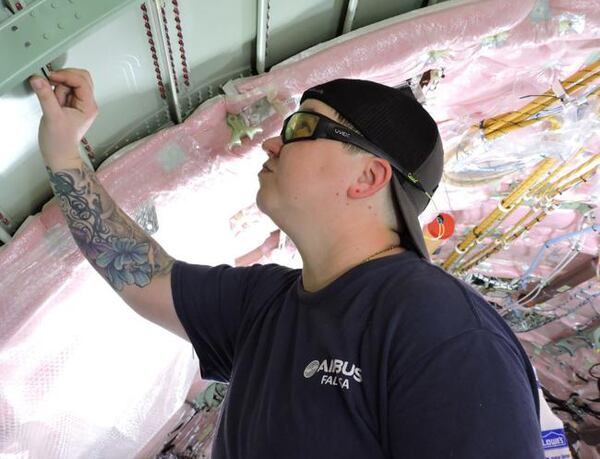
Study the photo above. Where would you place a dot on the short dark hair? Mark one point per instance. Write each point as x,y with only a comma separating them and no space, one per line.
399,227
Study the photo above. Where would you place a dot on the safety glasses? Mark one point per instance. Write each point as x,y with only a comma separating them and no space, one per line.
303,125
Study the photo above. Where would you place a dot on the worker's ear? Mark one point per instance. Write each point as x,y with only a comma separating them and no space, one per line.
373,176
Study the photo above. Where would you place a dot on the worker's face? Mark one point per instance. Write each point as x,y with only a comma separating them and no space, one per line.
309,179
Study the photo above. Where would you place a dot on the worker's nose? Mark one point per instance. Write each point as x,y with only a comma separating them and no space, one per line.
273,146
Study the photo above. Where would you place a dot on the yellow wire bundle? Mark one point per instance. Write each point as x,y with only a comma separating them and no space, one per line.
497,126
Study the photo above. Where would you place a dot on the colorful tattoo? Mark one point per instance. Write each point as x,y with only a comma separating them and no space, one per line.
116,246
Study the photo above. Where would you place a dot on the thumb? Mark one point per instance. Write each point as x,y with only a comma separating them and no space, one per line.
46,96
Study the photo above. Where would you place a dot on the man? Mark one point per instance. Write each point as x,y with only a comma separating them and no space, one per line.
369,351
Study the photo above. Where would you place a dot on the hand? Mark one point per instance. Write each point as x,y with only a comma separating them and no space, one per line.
68,113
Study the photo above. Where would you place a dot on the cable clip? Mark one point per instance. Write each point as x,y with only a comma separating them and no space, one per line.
503,209
559,91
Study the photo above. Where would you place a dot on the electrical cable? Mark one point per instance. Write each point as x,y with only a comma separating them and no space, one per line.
568,258
575,249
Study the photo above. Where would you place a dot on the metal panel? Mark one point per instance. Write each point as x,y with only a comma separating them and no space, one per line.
295,26
219,44
125,80
23,178
371,11
130,107
37,34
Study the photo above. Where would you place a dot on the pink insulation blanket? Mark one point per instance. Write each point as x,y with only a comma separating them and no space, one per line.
83,376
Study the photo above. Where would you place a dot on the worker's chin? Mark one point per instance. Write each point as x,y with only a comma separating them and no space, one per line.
262,201
268,205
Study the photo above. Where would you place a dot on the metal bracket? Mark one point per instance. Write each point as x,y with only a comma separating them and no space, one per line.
239,129
44,30
147,219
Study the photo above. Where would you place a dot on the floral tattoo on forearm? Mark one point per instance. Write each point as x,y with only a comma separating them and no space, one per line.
116,246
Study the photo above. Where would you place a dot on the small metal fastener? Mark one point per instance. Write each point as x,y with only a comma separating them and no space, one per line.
77,16
60,26
14,28
45,36
27,44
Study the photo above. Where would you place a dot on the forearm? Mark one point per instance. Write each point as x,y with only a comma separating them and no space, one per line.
113,243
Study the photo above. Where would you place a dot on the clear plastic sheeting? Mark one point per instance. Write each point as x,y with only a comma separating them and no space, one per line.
83,376
472,160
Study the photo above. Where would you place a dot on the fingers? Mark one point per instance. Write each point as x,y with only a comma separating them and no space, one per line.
82,72
79,83
62,92
44,93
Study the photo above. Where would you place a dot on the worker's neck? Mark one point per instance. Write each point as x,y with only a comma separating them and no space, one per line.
328,254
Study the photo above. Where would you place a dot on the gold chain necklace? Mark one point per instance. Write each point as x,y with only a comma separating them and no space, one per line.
381,251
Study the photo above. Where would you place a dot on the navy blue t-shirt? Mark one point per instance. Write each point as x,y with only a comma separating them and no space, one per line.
393,359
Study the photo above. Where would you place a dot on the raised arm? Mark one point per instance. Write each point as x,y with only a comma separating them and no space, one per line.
133,263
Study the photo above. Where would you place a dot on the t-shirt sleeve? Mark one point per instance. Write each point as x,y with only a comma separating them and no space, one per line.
468,398
216,303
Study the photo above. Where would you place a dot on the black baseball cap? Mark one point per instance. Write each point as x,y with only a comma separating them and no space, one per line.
397,123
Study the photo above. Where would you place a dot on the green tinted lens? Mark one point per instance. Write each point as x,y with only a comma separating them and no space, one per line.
301,125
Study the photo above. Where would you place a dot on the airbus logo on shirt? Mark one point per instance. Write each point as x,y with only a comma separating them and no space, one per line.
331,372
